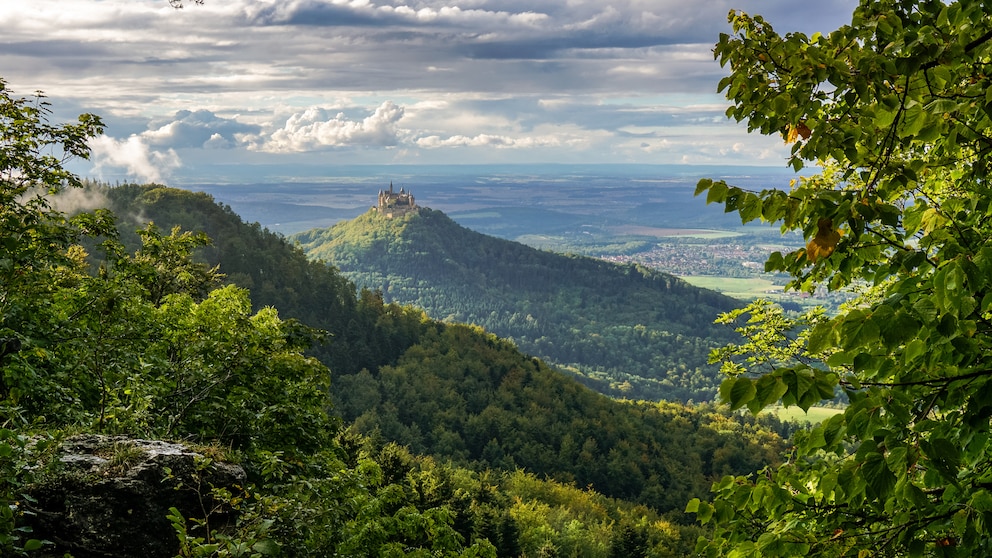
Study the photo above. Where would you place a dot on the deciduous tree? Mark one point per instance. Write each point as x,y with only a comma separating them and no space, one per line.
896,111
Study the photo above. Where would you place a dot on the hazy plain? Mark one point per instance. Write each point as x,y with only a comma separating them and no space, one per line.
507,201
642,213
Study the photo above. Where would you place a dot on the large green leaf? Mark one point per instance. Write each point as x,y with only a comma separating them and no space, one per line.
738,391
879,479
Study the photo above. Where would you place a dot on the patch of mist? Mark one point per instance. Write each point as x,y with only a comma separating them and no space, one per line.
73,201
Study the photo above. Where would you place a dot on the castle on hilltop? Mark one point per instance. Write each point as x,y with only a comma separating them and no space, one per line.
392,204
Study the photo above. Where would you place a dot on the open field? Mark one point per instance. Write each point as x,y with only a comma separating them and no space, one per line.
815,415
737,287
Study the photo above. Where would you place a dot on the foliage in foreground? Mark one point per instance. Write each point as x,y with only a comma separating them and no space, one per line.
151,345
896,108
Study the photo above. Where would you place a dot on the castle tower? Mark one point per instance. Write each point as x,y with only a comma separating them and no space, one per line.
394,203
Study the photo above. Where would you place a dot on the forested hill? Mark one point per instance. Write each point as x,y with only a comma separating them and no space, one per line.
454,391
624,329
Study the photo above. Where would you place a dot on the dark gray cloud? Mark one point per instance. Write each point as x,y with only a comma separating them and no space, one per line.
315,12
392,80
54,49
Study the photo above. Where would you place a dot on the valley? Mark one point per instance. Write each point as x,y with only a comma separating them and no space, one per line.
644,214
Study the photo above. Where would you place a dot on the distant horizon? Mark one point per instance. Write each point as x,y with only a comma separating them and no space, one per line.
310,174
294,203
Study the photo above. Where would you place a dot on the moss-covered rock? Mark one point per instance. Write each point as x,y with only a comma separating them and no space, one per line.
108,496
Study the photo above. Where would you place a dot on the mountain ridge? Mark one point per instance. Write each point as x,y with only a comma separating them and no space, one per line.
623,329
458,393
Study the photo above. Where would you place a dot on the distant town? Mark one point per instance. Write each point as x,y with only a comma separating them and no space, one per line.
723,259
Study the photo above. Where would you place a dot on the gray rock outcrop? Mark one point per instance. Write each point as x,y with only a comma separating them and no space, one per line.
109,496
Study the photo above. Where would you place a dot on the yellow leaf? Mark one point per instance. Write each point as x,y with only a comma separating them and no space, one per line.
823,244
793,133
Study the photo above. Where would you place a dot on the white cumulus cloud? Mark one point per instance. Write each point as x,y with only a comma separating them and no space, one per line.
313,130
134,156
200,128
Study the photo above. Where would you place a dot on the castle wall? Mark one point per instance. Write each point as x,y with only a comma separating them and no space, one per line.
395,203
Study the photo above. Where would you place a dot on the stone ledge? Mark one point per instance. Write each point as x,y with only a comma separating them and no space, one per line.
108,497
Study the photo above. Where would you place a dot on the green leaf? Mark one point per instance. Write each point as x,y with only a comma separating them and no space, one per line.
914,351
857,330
912,218
833,429
823,336
749,207
703,510
879,479
960,522
768,390
949,288
33,544
703,185
266,547
741,391
898,328
943,455
717,192
981,501
885,117
692,506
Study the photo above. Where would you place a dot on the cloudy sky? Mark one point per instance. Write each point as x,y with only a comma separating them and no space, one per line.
237,84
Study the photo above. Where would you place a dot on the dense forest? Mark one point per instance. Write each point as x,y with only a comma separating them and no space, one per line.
161,314
458,392
625,330
107,327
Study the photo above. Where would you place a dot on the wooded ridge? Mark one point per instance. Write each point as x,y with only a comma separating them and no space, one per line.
624,330
456,391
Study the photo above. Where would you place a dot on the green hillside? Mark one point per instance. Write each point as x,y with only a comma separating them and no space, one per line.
625,330
455,391
150,343
473,398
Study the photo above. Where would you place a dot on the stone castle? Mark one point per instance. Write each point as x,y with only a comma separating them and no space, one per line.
393,204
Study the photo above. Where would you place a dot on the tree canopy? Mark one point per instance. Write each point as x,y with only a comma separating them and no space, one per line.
131,334
894,113
624,330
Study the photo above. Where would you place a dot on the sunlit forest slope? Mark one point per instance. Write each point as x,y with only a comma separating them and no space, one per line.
624,330
455,391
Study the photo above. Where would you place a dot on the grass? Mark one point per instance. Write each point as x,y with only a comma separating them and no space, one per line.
123,456
737,287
